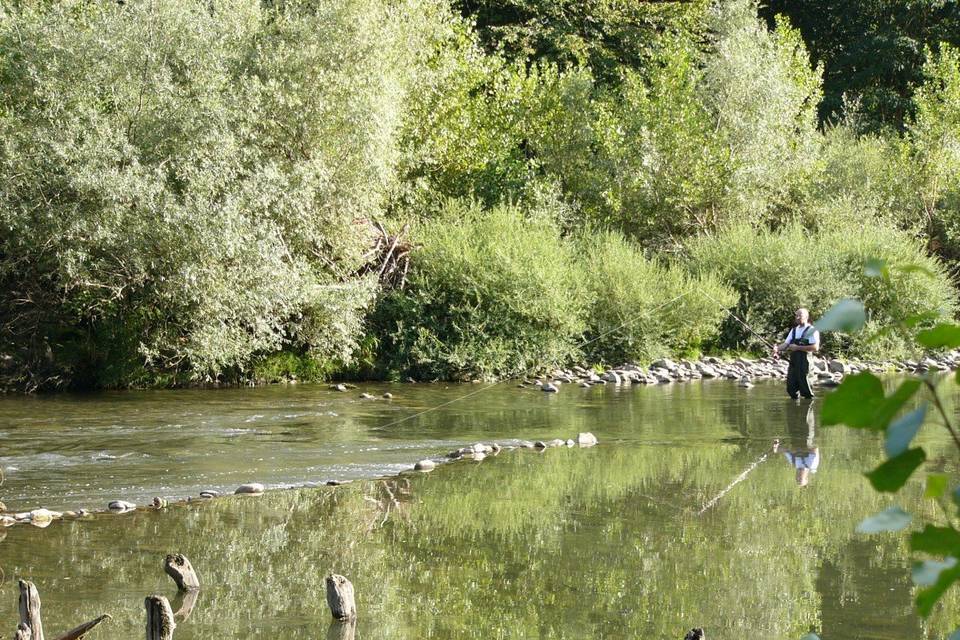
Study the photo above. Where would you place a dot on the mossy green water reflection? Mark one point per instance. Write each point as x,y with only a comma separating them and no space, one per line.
570,543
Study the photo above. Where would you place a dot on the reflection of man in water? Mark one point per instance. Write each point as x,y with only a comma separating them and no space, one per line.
800,451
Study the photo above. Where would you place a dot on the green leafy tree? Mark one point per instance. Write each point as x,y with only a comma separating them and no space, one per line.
185,185
872,52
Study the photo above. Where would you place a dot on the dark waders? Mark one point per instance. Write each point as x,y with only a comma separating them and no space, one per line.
797,383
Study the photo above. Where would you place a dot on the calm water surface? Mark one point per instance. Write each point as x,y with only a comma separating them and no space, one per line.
606,542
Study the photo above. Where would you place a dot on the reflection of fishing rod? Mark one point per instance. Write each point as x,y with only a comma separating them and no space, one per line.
740,478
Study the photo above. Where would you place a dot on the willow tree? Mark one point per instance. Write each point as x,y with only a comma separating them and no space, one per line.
186,185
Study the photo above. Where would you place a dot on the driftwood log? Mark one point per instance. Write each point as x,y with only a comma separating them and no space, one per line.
160,624
342,630
179,568
340,598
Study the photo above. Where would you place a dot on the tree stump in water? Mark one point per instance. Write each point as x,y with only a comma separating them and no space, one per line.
80,631
340,597
160,624
23,632
30,610
342,630
179,568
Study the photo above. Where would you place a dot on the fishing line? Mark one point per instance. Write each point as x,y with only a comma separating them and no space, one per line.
737,318
490,386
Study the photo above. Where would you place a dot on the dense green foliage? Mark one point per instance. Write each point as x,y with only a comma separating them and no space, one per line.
185,186
813,265
641,309
188,190
492,293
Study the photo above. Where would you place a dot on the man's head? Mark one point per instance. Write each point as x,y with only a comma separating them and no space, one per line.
802,316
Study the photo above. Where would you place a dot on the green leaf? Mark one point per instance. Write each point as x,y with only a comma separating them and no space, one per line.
847,315
876,268
936,485
928,597
943,335
902,430
892,519
854,402
938,541
892,404
894,473
927,572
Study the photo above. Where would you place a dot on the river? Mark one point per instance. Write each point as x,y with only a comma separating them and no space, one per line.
603,542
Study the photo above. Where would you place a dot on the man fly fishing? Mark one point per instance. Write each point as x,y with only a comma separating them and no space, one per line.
802,340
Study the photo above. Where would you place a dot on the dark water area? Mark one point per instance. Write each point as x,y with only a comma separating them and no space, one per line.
683,516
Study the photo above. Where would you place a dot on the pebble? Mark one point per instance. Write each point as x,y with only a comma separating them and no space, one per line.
210,493
367,396
549,387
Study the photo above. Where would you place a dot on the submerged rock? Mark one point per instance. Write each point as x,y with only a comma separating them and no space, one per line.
210,493
387,396
121,506
425,465
586,439
549,387
367,396
251,488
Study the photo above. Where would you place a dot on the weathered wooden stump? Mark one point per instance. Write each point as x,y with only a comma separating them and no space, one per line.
23,632
342,630
160,624
179,568
30,610
340,598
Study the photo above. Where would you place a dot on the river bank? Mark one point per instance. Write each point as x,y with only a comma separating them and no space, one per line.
825,372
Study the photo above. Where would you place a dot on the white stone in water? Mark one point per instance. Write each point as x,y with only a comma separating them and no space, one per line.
210,493
745,382
7,521
479,456
340,387
388,395
367,396
121,506
570,443
39,515
425,465
586,439
251,488
549,388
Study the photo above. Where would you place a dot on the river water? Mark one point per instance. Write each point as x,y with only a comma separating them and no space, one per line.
604,542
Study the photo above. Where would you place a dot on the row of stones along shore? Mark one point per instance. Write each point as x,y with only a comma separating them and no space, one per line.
43,517
826,372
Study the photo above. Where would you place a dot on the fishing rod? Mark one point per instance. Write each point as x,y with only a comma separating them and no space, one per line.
741,321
